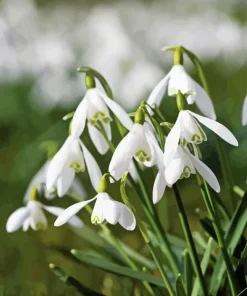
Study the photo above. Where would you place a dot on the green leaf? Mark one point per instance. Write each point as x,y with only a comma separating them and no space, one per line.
204,265
232,237
72,282
69,115
180,291
188,272
117,269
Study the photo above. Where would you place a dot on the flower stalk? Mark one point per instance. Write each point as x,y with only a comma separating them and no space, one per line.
189,240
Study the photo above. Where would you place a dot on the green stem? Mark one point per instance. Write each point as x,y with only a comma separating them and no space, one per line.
189,240
155,222
224,162
161,269
210,205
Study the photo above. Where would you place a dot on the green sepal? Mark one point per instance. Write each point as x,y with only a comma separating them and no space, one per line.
181,101
89,80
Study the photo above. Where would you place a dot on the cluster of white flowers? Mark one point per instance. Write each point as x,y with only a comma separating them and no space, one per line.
178,158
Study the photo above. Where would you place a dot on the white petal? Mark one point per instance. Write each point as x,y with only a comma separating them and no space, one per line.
115,211
159,91
121,114
97,138
218,128
98,215
79,118
26,224
180,80
174,170
57,164
244,112
204,103
172,141
122,156
205,172
159,187
93,169
74,221
68,213
17,218
65,181
75,154
39,177
38,220
157,153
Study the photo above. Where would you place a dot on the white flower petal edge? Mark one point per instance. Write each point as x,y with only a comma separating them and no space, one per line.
159,187
244,112
159,91
65,181
38,220
172,141
98,140
121,114
68,213
17,218
205,172
204,103
74,221
94,171
218,128
122,156
174,170
79,118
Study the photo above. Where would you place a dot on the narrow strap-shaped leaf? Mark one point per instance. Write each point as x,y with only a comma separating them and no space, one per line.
232,237
180,290
188,272
64,277
204,265
117,269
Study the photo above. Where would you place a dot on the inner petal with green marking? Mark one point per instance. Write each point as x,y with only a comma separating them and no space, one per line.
186,172
96,220
76,166
142,156
99,116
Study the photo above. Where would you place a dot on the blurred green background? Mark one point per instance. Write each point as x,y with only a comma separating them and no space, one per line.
41,45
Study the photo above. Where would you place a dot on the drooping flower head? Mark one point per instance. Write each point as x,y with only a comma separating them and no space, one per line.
94,109
139,143
105,209
73,157
32,215
177,79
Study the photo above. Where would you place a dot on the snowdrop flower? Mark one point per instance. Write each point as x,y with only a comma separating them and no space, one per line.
39,180
178,79
95,109
32,215
182,165
139,143
105,208
68,161
244,112
188,129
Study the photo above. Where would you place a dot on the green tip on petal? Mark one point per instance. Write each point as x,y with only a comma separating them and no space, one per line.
52,265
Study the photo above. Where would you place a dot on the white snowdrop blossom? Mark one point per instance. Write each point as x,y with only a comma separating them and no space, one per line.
178,79
73,157
182,165
95,109
32,215
39,180
139,143
188,129
105,208
244,112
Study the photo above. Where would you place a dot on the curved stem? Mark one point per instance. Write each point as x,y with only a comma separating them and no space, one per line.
189,239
